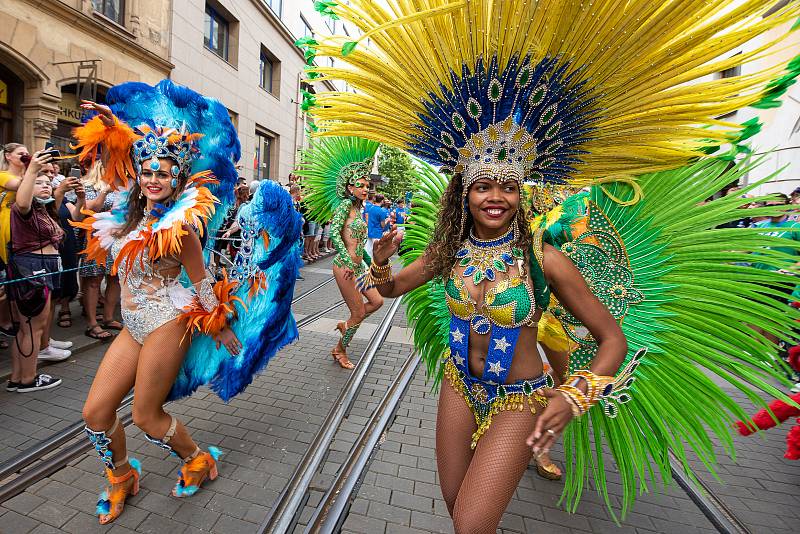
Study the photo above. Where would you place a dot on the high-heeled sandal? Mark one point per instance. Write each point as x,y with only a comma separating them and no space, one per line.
340,356
195,471
112,501
548,471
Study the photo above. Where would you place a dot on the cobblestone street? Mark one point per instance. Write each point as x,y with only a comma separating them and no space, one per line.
265,431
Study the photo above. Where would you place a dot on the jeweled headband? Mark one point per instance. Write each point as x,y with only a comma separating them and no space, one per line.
350,173
181,147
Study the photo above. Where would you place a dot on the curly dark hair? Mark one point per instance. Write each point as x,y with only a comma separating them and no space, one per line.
447,234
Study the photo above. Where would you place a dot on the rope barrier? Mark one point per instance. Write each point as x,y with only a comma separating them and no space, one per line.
42,275
17,280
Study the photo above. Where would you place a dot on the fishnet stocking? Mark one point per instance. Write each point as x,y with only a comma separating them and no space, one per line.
113,380
160,359
478,485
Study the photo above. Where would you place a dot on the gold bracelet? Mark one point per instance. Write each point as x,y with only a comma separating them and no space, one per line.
380,274
597,387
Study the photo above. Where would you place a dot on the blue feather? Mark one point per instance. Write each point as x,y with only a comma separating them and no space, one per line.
170,105
267,323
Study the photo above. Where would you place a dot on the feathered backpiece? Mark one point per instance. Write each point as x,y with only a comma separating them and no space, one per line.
560,91
265,271
328,166
166,120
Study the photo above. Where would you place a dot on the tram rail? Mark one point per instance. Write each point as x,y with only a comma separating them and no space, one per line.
41,450
331,512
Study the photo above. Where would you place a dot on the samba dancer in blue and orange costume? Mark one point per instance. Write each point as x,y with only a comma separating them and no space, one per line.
499,95
173,161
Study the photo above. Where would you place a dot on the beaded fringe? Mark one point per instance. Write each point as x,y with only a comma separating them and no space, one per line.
484,413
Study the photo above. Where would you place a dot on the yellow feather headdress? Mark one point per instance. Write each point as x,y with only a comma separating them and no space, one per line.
558,91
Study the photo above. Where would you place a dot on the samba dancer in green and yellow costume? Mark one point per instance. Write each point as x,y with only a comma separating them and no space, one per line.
335,174
605,94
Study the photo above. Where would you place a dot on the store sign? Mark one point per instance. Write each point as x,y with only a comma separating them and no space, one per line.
3,93
69,109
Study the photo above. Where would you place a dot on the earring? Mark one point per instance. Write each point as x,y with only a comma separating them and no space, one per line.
174,183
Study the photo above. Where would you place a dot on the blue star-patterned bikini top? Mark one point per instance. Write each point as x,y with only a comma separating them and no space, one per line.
507,306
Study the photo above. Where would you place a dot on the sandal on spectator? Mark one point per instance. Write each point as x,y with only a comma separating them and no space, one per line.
97,332
64,319
112,325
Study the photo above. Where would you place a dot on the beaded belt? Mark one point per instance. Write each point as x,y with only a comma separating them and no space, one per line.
487,398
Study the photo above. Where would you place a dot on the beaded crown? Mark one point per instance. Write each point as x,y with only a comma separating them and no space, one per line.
177,145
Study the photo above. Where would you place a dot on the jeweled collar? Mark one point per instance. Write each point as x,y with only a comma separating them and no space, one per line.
509,237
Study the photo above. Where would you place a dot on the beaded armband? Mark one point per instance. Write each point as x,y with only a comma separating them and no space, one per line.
597,387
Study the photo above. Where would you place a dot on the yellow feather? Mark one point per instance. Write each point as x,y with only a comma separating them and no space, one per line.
647,63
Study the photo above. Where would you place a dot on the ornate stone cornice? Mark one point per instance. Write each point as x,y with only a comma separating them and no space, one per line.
116,37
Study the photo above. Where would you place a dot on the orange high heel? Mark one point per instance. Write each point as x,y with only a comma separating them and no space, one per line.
113,500
196,470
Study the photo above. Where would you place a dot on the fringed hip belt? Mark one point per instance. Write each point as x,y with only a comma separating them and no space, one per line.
486,398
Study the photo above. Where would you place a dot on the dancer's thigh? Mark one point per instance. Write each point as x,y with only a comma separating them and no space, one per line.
455,425
497,466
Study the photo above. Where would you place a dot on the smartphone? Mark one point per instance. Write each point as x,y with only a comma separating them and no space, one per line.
75,172
54,152
48,145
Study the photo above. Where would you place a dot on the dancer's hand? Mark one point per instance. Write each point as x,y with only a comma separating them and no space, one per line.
348,274
228,338
386,246
104,112
551,423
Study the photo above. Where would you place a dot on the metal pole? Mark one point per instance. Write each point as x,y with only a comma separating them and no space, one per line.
330,512
284,510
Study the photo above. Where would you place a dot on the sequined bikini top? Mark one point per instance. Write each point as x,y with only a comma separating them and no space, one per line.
510,303
358,229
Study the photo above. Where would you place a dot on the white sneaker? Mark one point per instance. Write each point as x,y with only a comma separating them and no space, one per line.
60,344
52,354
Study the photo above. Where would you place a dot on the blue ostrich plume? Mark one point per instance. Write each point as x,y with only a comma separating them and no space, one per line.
266,324
170,105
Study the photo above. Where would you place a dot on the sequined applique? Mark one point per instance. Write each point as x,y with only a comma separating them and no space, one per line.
358,232
150,299
205,293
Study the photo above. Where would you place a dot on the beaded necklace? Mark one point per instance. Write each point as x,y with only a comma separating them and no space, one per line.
482,259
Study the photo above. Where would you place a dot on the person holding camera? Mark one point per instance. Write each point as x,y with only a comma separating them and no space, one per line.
35,238
12,169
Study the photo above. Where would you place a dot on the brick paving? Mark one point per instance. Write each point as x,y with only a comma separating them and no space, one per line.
400,492
266,430
264,433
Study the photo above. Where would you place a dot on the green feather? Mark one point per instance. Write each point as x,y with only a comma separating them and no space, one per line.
319,169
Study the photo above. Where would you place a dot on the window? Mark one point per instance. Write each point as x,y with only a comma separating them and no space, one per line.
276,6
111,9
269,72
265,156
307,31
216,33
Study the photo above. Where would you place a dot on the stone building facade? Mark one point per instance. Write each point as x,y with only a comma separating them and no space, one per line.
242,53
47,45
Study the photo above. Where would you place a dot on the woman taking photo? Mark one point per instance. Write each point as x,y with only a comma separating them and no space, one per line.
35,238
335,174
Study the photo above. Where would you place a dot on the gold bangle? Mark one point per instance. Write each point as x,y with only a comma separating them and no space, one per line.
597,387
380,274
